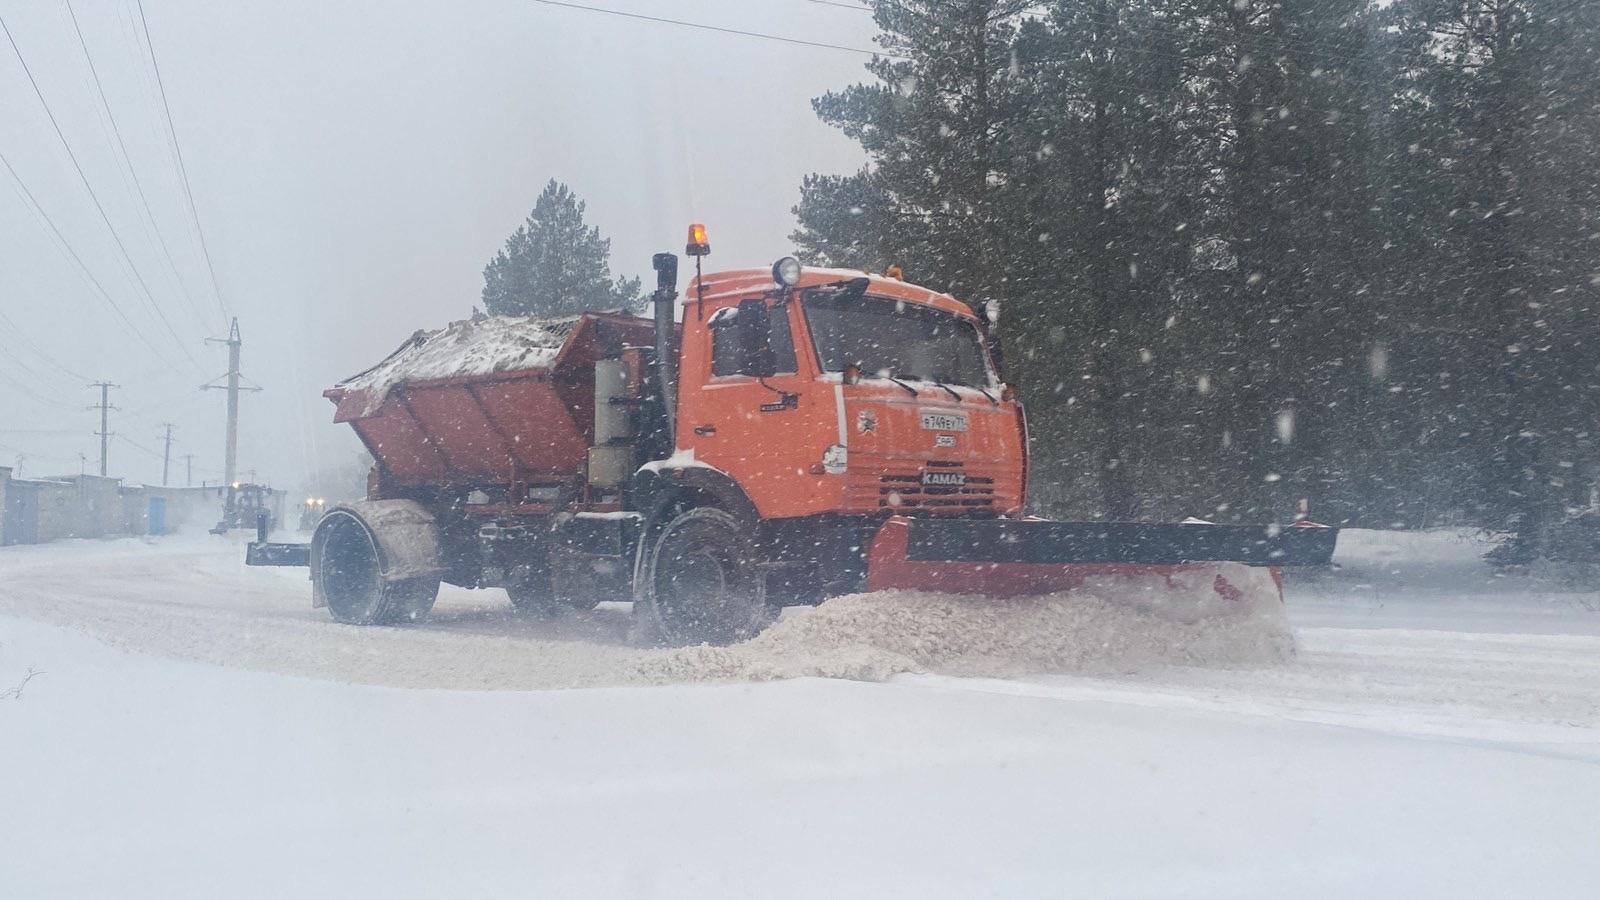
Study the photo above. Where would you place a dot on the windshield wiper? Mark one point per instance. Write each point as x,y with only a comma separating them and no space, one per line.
987,394
945,387
913,391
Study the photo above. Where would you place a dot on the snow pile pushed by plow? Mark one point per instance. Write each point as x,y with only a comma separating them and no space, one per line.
1109,625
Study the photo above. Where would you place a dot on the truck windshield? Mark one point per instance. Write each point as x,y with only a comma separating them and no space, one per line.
896,339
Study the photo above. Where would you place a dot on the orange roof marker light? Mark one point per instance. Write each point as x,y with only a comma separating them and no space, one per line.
699,244
895,272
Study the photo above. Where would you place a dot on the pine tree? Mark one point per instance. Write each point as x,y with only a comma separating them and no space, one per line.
555,265
1255,250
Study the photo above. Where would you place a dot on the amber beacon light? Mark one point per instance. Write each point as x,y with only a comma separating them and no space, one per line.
699,244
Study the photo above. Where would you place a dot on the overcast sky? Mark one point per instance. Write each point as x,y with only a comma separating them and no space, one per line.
354,165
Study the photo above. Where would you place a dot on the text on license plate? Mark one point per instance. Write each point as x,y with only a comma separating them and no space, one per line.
938,421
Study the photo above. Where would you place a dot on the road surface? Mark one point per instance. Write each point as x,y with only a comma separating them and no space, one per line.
198,730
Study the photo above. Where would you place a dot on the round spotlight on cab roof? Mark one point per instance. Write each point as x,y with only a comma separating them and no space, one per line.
786,271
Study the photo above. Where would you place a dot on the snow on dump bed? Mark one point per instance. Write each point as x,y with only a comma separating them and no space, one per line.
477,346
1110,625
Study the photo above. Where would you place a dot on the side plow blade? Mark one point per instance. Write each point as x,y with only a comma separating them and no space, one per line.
1013,558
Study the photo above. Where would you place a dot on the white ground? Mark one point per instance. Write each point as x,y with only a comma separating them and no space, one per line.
198,731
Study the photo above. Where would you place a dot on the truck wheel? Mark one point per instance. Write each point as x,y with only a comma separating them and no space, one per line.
700,583
348,575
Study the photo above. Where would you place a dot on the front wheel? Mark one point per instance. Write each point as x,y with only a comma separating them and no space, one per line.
701,583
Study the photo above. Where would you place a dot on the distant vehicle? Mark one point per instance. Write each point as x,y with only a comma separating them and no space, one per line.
799,434
244,506
311,512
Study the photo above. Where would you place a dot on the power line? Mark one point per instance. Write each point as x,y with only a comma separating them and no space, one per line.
66,247
32,394
30,370
26,455
127,160
21,339
154,454
720,29
183,170
16,338
92,195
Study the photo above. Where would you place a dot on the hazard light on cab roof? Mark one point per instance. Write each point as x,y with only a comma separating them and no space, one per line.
699,244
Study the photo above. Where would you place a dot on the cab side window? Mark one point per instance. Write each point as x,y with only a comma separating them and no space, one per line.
725,342
724,348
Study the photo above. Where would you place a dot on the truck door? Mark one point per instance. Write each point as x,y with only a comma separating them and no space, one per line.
748,424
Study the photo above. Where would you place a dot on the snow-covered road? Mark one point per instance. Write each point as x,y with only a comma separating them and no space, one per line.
1438,734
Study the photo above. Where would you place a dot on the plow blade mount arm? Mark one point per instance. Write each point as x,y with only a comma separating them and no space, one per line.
263,552
1009,558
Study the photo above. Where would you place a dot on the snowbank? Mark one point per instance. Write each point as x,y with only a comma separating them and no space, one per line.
478,346
1114,625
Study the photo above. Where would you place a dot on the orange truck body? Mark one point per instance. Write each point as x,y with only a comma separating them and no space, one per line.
504,431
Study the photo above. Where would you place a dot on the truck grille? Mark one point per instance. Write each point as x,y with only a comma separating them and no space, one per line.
905,492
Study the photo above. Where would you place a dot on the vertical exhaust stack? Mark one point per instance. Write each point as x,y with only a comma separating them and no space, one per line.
666,293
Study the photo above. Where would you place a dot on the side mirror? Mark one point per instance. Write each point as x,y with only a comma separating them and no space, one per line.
988,325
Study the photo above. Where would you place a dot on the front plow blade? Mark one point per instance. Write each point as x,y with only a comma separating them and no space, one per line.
1013,558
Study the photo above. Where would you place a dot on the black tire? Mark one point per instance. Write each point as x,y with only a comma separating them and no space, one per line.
699,582
409,601
350,578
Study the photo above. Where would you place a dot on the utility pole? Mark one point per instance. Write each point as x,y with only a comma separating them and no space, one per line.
105,407
166,452
231,451
188,470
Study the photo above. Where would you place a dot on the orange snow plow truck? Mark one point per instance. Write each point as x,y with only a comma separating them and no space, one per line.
774,437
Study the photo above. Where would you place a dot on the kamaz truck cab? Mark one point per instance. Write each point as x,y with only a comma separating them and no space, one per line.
846,394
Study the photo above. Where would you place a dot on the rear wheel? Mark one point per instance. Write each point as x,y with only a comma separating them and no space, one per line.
350,577
701,582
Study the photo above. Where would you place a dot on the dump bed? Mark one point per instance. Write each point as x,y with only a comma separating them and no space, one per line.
488,400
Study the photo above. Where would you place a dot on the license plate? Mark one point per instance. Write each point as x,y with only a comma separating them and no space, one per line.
931,478
939,421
